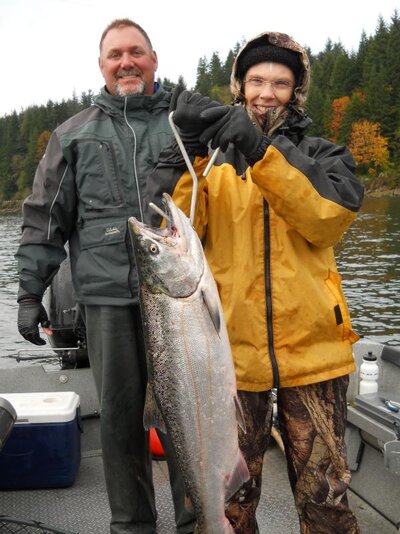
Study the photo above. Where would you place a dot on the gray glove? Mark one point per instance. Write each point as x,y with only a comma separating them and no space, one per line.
31,313
189,120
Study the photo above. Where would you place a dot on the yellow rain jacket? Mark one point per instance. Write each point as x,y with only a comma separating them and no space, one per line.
269,233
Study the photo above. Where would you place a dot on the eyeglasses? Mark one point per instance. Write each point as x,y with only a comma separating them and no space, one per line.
277,86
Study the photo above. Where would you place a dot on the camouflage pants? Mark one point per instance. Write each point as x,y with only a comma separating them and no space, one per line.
312,422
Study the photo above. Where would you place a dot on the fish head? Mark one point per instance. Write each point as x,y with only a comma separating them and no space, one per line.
169,260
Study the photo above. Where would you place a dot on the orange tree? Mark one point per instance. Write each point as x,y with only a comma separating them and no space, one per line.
339,106
369,147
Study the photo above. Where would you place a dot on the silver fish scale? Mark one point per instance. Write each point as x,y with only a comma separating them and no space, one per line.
192,375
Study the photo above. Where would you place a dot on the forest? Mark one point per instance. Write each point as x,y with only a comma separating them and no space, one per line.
354,99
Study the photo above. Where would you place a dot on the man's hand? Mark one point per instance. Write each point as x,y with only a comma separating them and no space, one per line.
231,124
31,313
189,120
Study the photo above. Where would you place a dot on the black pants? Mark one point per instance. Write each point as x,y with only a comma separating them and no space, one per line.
117,359
312,421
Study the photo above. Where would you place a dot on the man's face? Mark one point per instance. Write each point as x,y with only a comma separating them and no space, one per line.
127,63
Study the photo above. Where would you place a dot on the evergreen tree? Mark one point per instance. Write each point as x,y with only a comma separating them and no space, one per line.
9,136
227,68
215,70
25,180
375,53
393,69
342,82
86,99
356,110
203,81
315,109
346,89
359,60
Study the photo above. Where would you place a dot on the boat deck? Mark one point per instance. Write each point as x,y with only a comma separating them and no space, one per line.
83,508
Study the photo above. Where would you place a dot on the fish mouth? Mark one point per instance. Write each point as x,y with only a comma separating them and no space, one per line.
164,233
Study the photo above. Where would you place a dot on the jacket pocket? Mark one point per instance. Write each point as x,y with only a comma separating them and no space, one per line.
97,178
103,266
105,233
340,310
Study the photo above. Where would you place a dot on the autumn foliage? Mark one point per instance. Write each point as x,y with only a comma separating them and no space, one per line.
368,146
339,106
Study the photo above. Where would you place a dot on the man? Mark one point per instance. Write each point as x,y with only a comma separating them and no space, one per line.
91,179
270,211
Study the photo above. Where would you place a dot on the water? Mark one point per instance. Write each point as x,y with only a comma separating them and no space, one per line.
10,340
368,260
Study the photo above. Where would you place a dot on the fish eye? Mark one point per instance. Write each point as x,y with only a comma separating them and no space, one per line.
153,248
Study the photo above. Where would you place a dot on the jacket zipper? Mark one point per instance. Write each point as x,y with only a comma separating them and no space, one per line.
115,186
134,161
268,299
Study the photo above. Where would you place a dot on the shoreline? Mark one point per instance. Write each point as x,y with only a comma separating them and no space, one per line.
13,207
383,192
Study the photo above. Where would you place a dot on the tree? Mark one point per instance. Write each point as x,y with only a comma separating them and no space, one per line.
339,106
221,94
393,79
227,68
25,179
41,145
86,99
203,81
369,148
215,70
355,111
315,108
340,73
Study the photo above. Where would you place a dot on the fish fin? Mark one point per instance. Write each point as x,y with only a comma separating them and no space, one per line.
152,417
188,504
238,477
223,528
239,414
213,309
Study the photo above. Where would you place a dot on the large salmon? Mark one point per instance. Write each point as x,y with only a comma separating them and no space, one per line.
191,392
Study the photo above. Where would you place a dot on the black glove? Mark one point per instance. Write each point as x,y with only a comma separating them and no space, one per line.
187,117
231,124
31,313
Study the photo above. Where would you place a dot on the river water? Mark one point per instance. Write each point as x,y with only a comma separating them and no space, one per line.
368,259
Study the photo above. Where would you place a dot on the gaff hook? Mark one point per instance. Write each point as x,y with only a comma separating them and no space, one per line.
190,166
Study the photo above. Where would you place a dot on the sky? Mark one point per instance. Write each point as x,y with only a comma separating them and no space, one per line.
49,48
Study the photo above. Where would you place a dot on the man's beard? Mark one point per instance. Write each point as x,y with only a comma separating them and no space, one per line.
137,89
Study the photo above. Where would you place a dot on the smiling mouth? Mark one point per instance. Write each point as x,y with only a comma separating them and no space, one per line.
128,78
131,74
262,110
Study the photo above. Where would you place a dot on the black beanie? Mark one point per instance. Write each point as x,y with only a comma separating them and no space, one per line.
272,53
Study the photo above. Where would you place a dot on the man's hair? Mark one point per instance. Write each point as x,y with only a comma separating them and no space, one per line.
121,23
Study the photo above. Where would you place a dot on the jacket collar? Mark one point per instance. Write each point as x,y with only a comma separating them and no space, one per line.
115,105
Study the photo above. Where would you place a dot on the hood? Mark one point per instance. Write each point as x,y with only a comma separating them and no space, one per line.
284,41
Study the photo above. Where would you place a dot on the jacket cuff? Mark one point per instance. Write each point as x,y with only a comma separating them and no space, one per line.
193,149
23,294
28,297
259,153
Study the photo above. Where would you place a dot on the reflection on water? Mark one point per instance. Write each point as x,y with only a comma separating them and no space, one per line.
10,340
368,260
